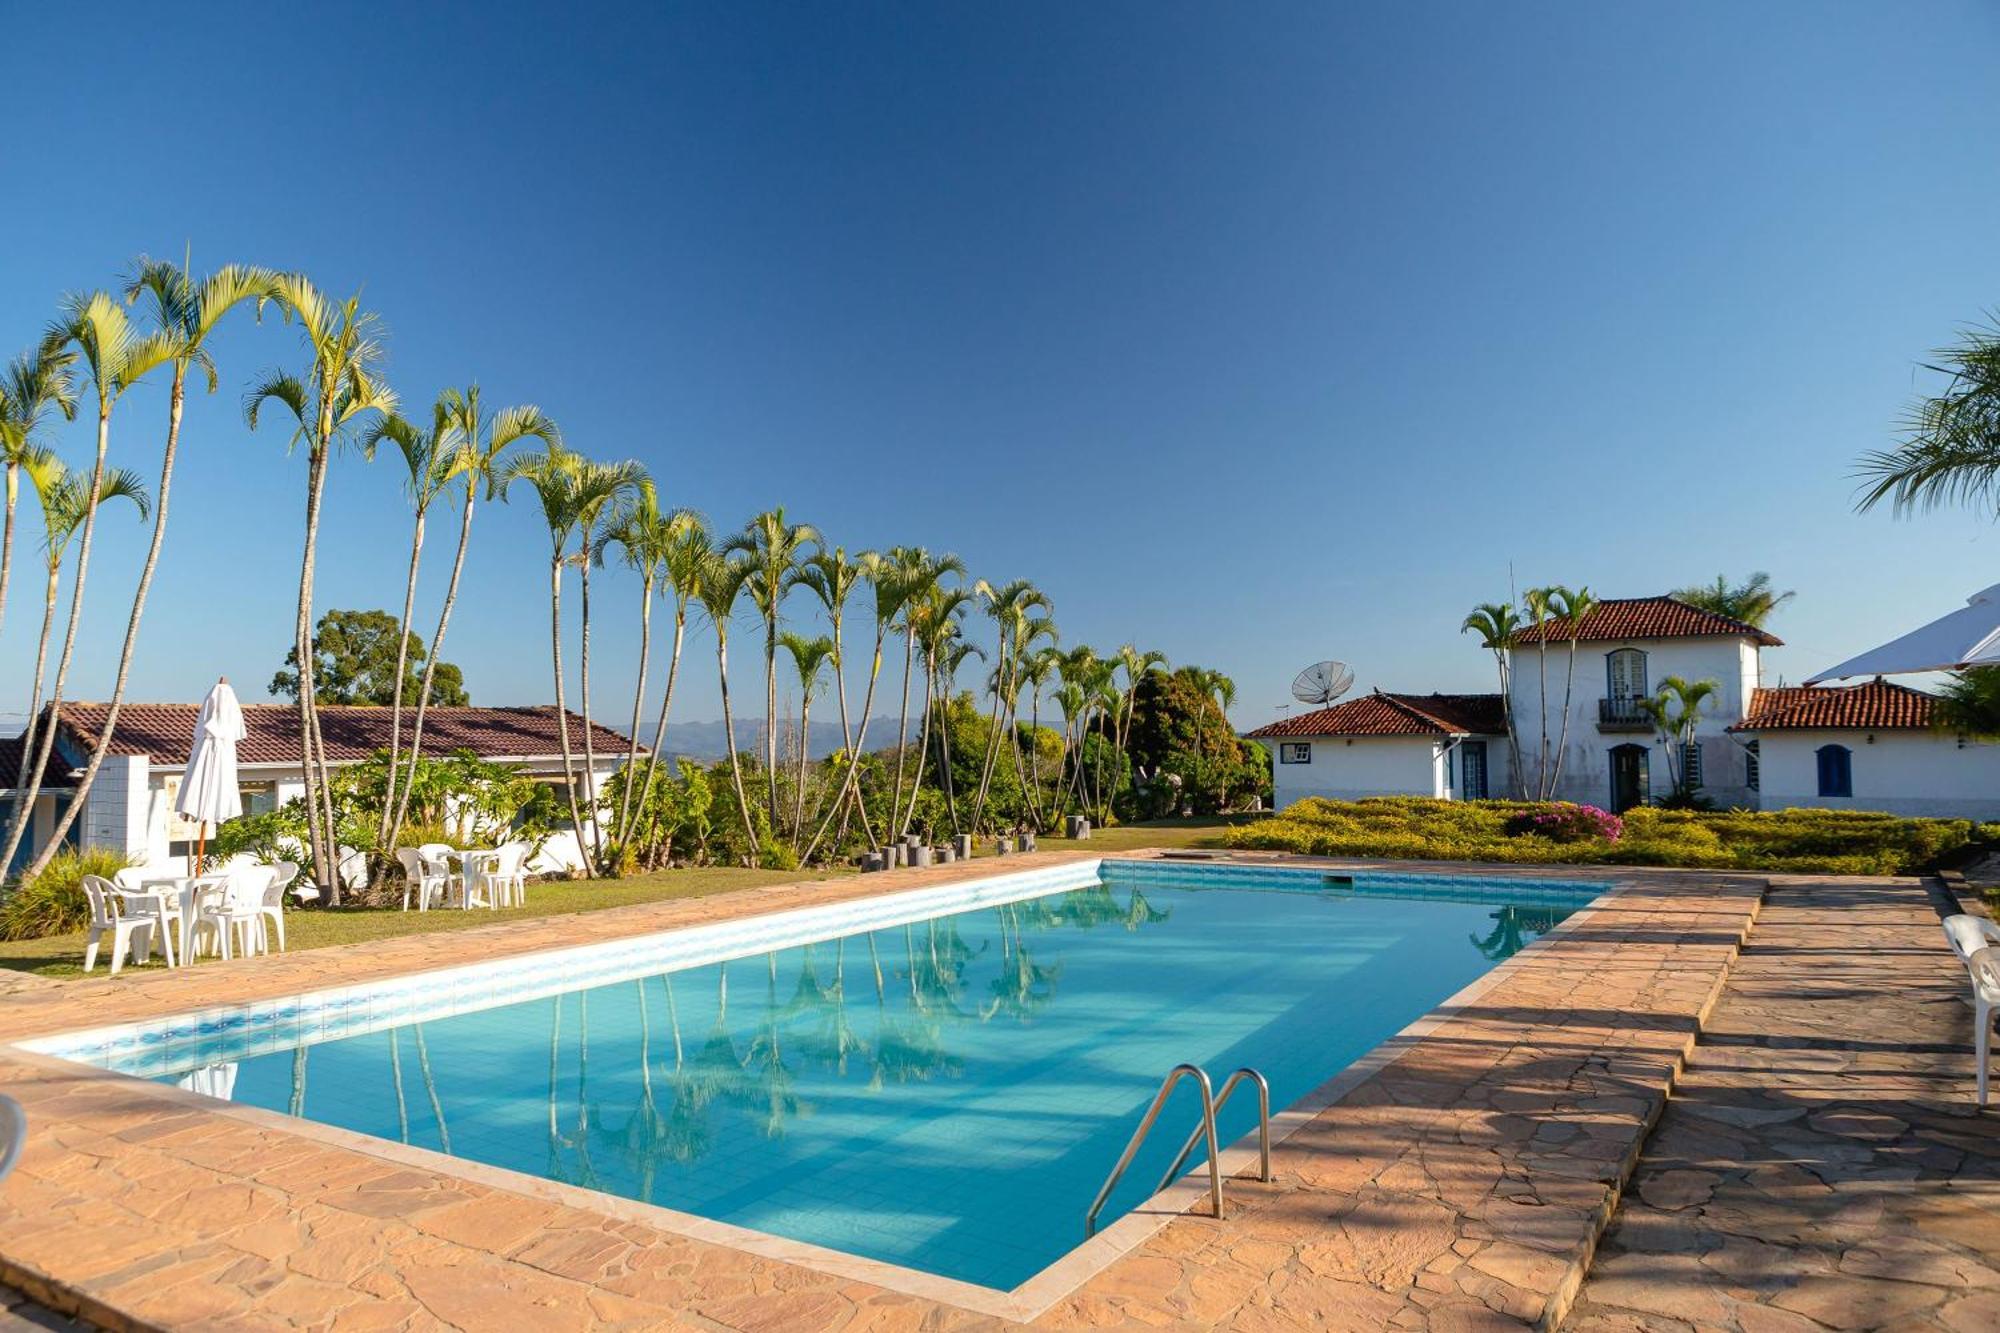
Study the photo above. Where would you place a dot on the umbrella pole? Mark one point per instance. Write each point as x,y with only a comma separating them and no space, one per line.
201,846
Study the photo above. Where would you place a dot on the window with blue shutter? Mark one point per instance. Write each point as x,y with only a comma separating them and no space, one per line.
1836,770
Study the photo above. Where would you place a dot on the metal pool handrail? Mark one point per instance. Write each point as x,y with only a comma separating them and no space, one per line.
1146,1124
1222,1100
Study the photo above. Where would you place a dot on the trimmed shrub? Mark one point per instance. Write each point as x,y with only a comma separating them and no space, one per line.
52,903
1565,821
1805,841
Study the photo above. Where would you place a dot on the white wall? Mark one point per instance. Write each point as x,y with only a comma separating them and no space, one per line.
1733,664
1348,768
116,812
1902,772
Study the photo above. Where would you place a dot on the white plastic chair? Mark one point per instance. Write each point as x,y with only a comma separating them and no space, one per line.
1984,969
1969,934
133,933
421,877
13,1133
441,855
506,876
272,906
227,914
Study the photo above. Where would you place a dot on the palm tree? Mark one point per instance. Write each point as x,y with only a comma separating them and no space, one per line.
481,441
429,456
65,509
886,577
35,384
687,553
809,658
918,574
774,548
600,489
1969,704
1036,668
186,312
1751,601
931,617
1137,665
574,493
647,536
721,582
1950,453
1009,606
1539,604
116,357
339,389
1571,607
1223,690
1676,710
1498,626
832,578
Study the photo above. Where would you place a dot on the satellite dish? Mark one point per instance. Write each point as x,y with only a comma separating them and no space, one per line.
1322,682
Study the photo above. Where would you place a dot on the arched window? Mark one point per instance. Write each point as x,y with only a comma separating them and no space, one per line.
1625,675
1836,770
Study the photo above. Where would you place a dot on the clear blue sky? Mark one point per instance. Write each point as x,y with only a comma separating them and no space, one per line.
1257,334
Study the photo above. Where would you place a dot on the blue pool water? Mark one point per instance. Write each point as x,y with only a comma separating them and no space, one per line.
946,1095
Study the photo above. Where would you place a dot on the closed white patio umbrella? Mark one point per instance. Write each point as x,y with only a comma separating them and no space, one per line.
208,792
1968,637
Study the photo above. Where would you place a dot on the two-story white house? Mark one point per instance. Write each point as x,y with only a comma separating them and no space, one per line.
1456,746
1613,755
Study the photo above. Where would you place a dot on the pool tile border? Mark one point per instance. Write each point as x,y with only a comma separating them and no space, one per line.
1067,1289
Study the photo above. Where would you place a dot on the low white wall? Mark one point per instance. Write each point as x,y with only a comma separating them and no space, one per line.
1349,768
1901,772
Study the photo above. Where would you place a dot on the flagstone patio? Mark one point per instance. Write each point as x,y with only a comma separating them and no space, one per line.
1460,1181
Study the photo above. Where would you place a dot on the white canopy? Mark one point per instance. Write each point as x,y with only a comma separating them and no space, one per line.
208,788
1969,636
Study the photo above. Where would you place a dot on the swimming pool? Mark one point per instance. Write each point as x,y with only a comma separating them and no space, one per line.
938,1079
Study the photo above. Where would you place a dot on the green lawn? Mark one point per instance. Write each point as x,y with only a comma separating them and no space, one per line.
62,955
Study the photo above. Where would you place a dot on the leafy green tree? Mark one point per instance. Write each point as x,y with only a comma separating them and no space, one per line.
1950,453
1676,708
1751,601
1180,738
1969,704
1498,626
356,656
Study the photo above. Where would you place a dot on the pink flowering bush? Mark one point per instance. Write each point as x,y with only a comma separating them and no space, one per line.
1563,821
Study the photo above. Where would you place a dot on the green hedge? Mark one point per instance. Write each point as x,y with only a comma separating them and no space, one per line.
1839,842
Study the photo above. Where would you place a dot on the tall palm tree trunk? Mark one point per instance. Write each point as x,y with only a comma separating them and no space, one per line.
402,665
176,402
902,730
7,536
851,781
589,742
729,738
312,747
771,712
923,753
1562,741
666,706
562,712
624,829
430,666
805,749
31,779
1507,716
1542,764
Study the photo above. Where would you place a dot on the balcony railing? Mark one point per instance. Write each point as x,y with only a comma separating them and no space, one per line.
1623,714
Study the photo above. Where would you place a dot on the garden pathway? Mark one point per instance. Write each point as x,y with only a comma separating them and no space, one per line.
1820,1164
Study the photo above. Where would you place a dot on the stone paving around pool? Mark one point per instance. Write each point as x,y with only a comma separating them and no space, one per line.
1462,1185
1821,1164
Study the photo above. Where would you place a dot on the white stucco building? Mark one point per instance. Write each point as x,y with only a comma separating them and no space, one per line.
1753,747
129,807
1868,747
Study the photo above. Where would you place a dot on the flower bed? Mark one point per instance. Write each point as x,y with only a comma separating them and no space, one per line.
1841,842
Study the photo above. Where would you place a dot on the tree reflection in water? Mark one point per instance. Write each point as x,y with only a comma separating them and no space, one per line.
1511,925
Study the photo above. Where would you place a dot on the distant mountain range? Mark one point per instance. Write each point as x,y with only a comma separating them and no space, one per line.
705,740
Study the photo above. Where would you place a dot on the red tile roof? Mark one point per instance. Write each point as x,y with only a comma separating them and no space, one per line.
164,732
1382,714
1648,618
1873,706
12,761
